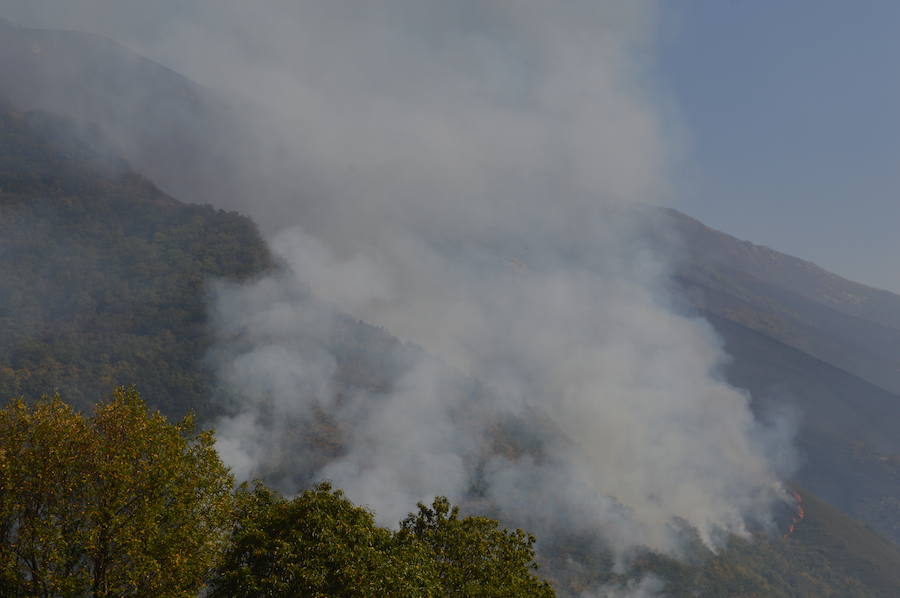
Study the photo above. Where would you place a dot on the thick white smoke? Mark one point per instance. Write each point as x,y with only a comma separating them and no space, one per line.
468,179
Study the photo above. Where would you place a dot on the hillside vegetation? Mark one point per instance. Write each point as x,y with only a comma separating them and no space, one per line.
103,277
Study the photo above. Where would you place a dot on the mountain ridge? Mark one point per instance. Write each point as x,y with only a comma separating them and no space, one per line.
805,277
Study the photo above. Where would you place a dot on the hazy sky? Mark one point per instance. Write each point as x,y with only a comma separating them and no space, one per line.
792,110
788,112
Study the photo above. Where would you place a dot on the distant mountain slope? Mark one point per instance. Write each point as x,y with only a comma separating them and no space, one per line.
847,440
102,276
804,278
852,326
181,135
820,345
828,555
826,534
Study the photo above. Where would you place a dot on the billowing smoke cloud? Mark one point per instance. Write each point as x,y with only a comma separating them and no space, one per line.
467,173
473,177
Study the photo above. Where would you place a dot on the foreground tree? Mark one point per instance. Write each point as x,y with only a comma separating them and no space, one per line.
121,503
320,544
317,545
475,557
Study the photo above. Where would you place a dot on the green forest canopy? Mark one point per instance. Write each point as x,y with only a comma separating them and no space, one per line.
103,278
124,503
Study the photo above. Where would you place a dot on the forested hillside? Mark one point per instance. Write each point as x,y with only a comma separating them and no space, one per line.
184,137
102,277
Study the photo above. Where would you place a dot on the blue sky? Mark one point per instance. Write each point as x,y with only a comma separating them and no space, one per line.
792,113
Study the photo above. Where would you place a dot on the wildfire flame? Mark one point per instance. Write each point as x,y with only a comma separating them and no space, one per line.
799,514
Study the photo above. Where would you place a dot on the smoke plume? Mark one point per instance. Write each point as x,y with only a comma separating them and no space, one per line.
471,177
475,178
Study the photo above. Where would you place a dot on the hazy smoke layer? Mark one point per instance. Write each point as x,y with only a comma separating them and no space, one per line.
649,587
466,175
464,172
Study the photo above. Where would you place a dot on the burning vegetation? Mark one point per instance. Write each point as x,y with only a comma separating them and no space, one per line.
799,514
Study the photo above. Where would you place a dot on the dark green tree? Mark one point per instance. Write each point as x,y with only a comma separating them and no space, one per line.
317,545
474,556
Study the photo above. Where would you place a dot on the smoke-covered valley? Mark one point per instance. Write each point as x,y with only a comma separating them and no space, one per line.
474,178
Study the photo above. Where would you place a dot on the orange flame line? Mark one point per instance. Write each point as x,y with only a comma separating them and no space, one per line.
799,514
